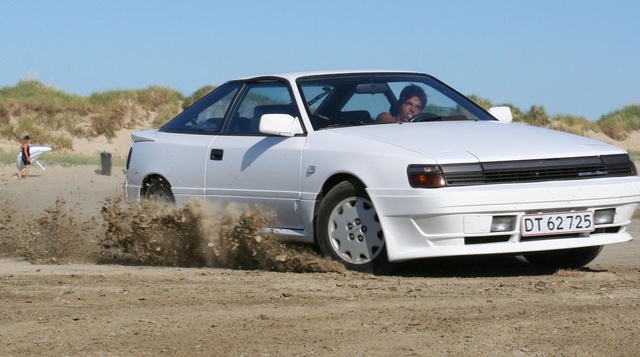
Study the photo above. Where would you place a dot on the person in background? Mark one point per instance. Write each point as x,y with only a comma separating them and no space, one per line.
26,157
411,103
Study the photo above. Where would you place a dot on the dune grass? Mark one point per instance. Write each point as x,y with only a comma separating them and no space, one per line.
56,118
619,123
635,156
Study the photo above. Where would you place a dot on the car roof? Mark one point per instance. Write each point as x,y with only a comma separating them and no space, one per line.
293,76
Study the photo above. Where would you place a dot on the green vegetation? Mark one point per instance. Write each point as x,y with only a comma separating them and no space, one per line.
616,125
56,117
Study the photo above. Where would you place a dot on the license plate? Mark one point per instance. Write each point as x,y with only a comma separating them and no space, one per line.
556,223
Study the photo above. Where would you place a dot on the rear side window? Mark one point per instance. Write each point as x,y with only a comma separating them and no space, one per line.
206,116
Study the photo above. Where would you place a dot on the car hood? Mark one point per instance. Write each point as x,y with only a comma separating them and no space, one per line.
484,141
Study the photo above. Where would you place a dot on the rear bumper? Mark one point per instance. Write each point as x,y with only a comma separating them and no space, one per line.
131,192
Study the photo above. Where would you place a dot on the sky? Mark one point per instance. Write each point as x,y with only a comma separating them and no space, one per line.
578,57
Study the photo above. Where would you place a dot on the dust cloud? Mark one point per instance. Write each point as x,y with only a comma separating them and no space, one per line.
198,234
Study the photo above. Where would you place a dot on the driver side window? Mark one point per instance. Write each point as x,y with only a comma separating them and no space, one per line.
259,99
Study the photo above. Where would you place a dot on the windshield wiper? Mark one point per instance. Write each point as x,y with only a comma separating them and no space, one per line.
326,90
432,117
348,123
418,120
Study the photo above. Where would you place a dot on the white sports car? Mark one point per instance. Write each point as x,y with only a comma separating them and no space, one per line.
380,167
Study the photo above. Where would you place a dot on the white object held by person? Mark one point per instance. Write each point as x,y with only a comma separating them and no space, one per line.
35,152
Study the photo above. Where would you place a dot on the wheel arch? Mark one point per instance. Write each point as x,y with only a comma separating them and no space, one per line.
328,200
330,183
148,180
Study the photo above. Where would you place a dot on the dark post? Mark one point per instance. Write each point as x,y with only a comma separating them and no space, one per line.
105,159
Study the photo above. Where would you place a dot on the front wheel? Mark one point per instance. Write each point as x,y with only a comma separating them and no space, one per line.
349,231
565,258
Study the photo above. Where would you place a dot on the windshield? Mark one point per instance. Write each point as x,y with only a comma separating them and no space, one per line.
359,99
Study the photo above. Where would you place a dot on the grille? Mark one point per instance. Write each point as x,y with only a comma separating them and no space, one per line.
538,170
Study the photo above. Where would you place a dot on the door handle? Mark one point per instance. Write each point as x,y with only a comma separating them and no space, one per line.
216,154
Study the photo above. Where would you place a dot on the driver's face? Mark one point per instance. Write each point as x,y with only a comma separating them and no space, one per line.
409,109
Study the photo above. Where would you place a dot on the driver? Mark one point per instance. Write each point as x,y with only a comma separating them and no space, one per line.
411,103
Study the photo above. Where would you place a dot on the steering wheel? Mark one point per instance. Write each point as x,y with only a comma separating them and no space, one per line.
426,117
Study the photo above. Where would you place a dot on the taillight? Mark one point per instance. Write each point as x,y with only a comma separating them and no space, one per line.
129,157
634,170
426,176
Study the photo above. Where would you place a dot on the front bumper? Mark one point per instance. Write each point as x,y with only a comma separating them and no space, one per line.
457,221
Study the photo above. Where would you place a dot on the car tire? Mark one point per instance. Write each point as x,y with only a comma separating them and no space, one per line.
348,230
564,259
159,190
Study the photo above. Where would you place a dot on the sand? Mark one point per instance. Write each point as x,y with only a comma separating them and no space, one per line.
62,293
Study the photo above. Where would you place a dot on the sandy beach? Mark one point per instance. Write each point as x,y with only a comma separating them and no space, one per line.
62,292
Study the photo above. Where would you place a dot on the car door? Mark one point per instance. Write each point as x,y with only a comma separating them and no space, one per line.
247,167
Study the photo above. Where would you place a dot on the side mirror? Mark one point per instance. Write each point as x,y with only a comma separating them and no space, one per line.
501,113
280,124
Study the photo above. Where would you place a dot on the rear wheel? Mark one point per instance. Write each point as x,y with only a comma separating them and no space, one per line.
159,190
348,229
564,259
